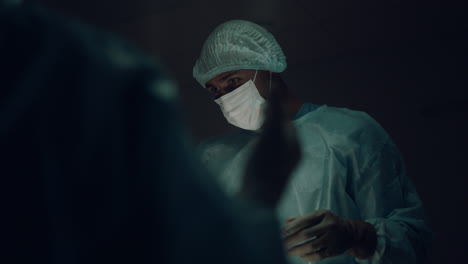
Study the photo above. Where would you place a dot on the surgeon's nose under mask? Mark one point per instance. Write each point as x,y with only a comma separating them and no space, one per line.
244,107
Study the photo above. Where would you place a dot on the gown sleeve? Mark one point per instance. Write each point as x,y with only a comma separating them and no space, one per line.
387,199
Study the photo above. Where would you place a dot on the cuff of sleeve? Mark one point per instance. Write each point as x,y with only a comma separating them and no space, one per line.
381,243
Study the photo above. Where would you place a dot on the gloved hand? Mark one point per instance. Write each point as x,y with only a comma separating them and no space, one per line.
333,236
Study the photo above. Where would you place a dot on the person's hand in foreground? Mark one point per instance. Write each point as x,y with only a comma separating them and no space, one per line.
322,234
274,157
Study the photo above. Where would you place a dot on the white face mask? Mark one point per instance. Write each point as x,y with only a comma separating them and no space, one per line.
244,107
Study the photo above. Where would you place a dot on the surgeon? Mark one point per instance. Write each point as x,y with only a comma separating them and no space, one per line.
350,199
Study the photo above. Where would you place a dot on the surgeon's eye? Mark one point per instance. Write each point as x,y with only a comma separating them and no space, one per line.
214,89
234,80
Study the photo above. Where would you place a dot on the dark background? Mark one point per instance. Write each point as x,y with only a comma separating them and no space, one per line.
403,62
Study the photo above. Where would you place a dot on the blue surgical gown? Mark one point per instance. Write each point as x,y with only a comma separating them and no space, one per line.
350,166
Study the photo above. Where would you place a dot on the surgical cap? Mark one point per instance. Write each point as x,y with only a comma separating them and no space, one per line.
236,45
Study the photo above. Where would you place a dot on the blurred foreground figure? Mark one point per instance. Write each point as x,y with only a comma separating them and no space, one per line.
95,165
350,199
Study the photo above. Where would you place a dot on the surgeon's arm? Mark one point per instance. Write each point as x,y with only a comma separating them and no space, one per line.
388,200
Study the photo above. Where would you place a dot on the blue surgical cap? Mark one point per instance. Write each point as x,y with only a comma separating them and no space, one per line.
236,45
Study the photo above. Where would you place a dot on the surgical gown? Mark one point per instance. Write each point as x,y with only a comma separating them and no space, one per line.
349,166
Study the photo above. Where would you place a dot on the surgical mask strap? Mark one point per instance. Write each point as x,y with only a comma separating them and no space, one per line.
269,88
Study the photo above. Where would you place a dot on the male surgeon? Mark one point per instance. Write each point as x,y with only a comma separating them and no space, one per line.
349,200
